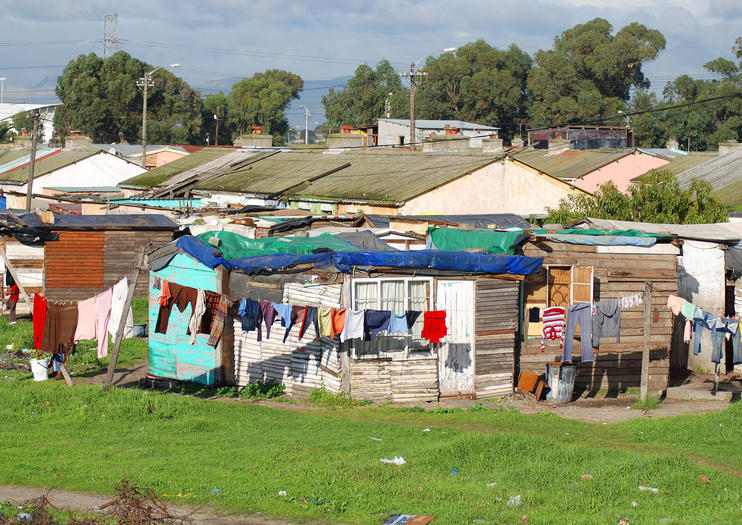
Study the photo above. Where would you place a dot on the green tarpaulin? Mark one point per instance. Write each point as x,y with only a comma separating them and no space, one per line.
452,239
234,246
612,233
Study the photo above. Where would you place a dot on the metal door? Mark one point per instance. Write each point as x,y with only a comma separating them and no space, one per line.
456,350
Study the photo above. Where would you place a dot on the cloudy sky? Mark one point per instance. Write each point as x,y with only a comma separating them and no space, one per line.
216,42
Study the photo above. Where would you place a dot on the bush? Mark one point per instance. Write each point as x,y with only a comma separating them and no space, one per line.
261,390
325,398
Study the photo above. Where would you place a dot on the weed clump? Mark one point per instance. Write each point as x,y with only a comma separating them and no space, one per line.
261,391
325,398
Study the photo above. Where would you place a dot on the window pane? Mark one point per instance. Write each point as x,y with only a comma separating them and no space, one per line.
366,296
392,296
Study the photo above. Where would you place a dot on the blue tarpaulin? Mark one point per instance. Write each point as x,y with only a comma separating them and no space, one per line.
605,240
346,261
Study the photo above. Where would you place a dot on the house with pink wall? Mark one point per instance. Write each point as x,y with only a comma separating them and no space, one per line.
588,169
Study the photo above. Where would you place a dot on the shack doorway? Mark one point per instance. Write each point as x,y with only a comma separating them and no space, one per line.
456,351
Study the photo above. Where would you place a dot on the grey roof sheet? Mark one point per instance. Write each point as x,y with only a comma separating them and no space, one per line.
571,164
498,220
128,150
724,173
714,232
440,124
51,162
136,221
195,162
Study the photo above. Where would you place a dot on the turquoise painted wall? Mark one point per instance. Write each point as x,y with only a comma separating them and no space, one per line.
172,355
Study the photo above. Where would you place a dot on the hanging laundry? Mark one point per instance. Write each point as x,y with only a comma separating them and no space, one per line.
733,329
324,317
675,304
375,321
220,318
297,316
39,319
266,315
553,329
211,304
198,313
310,316
534,314
701,320
164,297
412,317
338,321
156,282
688,310
606,320
687,331
118,301
284,312
102,315
398,324
86,320
353,328
248,312
579,314
434,326
632,300
181,296
59,327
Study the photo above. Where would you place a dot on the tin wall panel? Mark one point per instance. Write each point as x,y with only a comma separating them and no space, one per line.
74,261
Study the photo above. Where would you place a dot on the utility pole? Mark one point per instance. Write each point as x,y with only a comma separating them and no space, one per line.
145,82
415,78
32,161
306,123
216,139
386,106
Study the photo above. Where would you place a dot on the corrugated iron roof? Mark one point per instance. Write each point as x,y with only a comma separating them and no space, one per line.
48,163
724,173
136,221
570,164
10,155
722,232
371,176
681,163
161,175
439,124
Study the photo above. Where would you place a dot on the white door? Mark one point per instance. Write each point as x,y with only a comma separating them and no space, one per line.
456,351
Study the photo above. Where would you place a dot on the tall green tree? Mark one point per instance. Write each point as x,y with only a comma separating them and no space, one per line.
213,104
361,101
102,100
23,121
261,100
477,83
656,197
589,72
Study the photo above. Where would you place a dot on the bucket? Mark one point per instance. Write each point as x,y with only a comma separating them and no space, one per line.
40,368
561,380
139,330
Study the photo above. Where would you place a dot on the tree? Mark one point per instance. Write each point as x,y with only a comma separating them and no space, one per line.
23,121
361,101
261,100
226,122
477,83
589,72
656,197
102,100
5,131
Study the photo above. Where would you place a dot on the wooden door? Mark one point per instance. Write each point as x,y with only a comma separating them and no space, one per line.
559,280
456,351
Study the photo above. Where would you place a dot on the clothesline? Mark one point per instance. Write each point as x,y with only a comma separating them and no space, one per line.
697,320
210,310
58,325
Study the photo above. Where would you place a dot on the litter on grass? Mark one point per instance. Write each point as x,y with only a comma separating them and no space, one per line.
704,479
515,500
281,492
649,489
216,491
492,484
375,439
586,477
426,430
454,471
397,460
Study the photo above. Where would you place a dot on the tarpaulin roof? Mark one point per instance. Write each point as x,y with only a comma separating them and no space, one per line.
347,261
235,246
604,240
487,240
134,221
480,220
608,231
712,232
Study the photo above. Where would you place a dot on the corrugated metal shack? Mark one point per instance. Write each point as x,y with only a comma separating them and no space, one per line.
93,252
476,358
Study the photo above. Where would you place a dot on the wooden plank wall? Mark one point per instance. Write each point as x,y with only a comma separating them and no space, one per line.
616,365
83,263
28,262
495,324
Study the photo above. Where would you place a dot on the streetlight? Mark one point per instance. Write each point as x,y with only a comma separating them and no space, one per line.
145,82
386,105
306,123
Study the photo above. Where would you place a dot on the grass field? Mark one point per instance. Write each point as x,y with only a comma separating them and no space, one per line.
83,438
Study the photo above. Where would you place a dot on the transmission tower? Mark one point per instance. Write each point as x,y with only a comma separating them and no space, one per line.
110,35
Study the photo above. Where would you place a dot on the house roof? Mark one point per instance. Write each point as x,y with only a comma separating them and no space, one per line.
371,176
46,164
439,124
136,221
135,150
11,155
680,163
715,232
481,220
163,174
570,164
723,172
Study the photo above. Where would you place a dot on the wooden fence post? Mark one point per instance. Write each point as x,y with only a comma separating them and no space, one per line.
122,324
647,339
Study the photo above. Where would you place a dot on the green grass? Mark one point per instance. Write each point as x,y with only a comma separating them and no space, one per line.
328,465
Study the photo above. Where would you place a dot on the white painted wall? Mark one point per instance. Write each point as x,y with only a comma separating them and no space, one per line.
701,280
389,133
500,187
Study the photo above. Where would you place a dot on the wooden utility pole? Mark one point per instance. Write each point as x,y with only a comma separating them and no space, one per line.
415,78
647,339
32,161
216,139
122,323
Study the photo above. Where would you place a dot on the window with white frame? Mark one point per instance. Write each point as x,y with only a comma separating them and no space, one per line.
398,295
